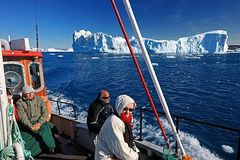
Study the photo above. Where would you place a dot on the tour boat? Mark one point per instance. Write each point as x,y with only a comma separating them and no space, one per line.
20,66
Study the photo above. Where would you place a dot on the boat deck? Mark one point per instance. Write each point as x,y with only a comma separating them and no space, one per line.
71,151
68,151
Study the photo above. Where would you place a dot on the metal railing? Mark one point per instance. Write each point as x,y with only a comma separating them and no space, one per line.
177,119
73,106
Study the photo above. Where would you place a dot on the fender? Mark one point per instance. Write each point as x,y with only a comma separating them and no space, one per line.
18,151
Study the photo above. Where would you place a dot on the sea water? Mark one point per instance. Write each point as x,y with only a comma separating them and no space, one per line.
202,87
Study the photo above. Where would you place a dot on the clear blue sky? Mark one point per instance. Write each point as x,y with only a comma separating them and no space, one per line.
158,19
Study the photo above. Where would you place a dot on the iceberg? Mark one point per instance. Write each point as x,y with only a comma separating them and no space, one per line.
208,42
52,50
58,50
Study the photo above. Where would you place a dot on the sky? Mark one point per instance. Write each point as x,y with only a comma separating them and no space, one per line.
157,19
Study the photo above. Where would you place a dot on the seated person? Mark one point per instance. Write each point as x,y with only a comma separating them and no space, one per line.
98,112
115,139
35,130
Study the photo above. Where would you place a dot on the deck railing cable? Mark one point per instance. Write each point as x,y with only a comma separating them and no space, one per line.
73,106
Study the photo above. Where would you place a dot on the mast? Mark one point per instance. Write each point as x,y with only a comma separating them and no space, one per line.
152,73
36,25
37,37
3,105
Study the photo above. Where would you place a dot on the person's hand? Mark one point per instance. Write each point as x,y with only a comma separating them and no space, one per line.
36,126
135,148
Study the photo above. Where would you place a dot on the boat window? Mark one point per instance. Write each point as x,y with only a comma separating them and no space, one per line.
36,75
14,77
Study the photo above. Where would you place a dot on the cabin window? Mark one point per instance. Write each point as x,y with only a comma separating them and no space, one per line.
36,76
14,77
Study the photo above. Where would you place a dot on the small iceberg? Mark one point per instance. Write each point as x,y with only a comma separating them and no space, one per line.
168,56
155,64
227,149
95,58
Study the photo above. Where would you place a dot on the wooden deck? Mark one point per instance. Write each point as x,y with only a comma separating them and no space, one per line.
68,151
79,149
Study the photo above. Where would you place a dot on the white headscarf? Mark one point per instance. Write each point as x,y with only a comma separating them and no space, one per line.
122,101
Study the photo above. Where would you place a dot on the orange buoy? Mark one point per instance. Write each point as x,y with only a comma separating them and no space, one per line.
187,157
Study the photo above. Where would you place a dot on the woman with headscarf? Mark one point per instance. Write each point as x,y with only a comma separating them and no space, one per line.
115,140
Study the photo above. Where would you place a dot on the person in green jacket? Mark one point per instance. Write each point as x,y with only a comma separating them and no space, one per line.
35,130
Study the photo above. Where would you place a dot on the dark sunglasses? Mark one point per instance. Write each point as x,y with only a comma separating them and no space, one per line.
105,97
129,109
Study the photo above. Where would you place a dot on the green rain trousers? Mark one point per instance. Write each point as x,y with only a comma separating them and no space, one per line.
38,141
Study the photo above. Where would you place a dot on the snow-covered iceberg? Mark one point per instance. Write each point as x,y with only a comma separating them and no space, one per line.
58,50
52,50
209,42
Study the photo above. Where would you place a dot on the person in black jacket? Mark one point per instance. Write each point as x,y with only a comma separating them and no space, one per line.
98,112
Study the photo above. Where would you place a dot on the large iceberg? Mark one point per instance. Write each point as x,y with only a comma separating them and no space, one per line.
209,42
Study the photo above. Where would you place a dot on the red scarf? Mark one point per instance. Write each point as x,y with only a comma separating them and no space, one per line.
126,119
128,137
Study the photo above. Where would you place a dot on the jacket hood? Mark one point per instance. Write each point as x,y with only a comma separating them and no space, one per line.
122,101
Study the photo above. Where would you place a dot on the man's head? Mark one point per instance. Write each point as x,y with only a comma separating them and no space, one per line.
28,92
104,96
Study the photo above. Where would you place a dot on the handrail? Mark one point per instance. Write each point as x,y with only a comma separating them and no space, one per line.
237,130
61,102
196,121
74,107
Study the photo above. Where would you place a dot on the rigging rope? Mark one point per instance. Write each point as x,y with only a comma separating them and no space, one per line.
13,131
140,73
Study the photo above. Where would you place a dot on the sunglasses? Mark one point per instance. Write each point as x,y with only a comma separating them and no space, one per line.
129,109
105,97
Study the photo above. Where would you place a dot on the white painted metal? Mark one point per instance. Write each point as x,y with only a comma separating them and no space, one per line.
152,72
3,104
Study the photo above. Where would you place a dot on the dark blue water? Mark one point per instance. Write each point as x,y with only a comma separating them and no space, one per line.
203,87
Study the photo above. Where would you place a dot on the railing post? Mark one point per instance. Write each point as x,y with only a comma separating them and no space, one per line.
141,118
75,112
177,127
58,107
238,152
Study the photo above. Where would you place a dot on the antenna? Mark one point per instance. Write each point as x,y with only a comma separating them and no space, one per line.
36,24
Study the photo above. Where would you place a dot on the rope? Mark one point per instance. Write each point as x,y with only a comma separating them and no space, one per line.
169,154
8,152
140,73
